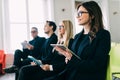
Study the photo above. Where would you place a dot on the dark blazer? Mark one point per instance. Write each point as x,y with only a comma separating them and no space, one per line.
47,48
94,56
58,61
58,64
37,43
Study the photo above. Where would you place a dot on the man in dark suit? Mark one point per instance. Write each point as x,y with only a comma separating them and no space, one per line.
32,48
46,49
53,64
51,38
49,30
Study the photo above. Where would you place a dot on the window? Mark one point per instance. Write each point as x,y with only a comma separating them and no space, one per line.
22,15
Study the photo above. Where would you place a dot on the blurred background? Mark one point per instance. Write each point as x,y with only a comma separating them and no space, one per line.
18,16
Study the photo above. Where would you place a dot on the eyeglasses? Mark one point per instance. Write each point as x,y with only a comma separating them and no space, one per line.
33,31
79,14
61,26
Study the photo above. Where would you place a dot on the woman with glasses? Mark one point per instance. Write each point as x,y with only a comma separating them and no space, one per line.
56,62
92,45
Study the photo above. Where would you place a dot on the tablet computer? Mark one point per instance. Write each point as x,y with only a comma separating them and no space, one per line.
39,63
59,45
65,48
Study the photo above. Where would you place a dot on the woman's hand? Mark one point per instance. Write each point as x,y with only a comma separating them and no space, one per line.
61,51
46,67
66,53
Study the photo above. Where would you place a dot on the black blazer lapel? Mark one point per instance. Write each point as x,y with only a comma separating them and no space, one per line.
52,40
75,42
83,44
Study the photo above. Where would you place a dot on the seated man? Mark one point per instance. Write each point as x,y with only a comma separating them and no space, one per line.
46,49
32,48
54,63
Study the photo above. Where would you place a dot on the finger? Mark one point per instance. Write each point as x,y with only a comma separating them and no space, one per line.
43,67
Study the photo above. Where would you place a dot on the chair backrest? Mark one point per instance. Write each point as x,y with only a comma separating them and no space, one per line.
115,59
115,56
108,73
2,61
113,44
1,55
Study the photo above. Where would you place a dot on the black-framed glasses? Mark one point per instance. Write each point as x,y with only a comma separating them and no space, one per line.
33,31
79,14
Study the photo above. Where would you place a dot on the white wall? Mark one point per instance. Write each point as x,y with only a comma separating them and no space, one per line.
114,18
105,10
68,14
59,14
1,38
111,19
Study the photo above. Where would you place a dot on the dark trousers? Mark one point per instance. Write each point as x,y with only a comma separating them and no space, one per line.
18,62
24,62
20,58
34,73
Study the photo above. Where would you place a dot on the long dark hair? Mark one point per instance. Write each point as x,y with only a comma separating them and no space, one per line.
94,11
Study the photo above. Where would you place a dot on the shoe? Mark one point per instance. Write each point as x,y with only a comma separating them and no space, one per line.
11,69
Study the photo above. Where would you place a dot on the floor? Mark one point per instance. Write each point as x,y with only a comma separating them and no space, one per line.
7,77
9,61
